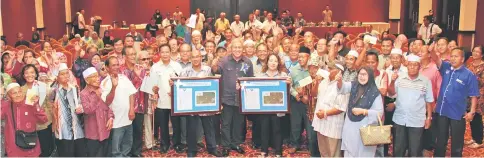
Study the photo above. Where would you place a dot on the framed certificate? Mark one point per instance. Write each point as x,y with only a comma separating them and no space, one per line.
263,95
195,95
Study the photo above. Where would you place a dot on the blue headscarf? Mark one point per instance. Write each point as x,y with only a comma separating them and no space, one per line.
362,96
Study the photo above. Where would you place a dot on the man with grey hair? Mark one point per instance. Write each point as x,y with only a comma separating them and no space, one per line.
221,24
237,26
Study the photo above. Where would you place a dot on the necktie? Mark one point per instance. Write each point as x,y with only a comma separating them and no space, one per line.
67,110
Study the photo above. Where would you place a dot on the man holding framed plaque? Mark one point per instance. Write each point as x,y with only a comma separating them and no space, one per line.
232,67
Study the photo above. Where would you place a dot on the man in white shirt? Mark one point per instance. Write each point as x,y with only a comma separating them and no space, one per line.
82,22
428,31
118,92
167,25
163,71
253,23
237,26
268,24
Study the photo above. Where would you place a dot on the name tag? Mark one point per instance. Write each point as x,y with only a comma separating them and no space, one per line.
460,81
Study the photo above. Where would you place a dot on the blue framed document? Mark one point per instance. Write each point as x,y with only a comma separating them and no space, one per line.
195,95
263,95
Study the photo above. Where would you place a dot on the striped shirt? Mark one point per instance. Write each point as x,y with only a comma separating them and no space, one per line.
329,98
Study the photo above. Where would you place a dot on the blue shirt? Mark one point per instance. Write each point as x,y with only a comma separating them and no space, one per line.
457,86
412,98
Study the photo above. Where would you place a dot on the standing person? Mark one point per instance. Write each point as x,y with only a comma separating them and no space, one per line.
231,67
328,15
365,104
271,123
221,24
82,62
429,31
458,85
98,116
329,114
268,25
413,109
477,67
145,61
253,23
177,15
14,122
119,93
67,123
196,69
152,27
81,22
163,70
30,75
237,26
200,20
137,37
301,109
157,16
299,22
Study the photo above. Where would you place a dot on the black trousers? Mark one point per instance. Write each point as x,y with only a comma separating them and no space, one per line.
270,130
137,134
216,126
407,138
430,135
163,116
232,126
286,127
46,140
207,125
388,121
71,148
256,128
96,148
476,128
457,130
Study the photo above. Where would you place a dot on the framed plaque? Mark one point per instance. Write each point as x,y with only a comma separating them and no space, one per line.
195,95
263,95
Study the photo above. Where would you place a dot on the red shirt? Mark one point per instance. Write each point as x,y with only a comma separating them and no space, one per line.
96,114
139,98
26,118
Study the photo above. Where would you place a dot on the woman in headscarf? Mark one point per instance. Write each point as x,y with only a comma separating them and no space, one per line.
364,106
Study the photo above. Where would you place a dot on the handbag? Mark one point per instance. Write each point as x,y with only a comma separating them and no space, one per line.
24,140
376,135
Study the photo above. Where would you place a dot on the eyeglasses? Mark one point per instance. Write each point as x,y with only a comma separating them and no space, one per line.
102,69
144,59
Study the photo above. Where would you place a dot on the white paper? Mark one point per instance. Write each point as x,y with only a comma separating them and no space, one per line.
184,99
148,83
305,81
192,21
322,73
252,100
30,94
370,39
42,92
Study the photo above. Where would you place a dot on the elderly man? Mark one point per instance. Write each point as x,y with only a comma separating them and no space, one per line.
231,67
250,51
268,24
86,39
30,116
413,109
253,23
237,26
98,116
221,24
262,53
193,123
21,41
174,55
428,31
119,93
66,124
458,84
197,42
138,37
98,42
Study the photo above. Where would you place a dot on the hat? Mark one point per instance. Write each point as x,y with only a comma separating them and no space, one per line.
11,86
413,58
304,49
89,71
353,53
77,36
63,66
396,51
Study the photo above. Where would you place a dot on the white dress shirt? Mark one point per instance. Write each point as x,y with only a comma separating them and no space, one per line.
255,24
164,73
427,31
238,28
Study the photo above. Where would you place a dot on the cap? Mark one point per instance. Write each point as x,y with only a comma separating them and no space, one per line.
11,86
396,51
413,58
353,53
77,36
304,49
88,72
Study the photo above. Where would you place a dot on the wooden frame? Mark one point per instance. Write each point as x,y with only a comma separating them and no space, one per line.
201,112
265,79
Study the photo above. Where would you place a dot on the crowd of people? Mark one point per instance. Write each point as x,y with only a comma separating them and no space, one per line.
93,106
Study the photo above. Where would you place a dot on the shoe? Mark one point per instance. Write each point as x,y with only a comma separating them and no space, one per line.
216,153
201,145
239,149
225,152
164,150
292,150
180,148
191,154
475,146
155,148
134,155
469,142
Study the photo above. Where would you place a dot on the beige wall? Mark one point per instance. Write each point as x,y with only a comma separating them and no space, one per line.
39,14
394,11
1,24
468,12
68,11
423,10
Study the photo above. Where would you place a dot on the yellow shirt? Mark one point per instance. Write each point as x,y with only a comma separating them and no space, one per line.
221,25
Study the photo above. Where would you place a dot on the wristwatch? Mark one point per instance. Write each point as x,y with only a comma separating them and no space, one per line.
429,118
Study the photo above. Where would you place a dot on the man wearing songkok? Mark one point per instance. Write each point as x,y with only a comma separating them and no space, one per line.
413,109
19,116
67,123
98,117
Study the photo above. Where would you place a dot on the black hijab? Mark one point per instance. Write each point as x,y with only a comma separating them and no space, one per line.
362,96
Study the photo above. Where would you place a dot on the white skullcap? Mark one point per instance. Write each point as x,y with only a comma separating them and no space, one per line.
353,53
396,51
77,36
339,66
63,66
248,42
413,58
11,86
89,71
196,32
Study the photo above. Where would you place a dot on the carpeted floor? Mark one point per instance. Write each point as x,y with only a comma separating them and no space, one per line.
468,152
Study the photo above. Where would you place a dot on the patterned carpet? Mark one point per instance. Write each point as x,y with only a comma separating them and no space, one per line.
249,152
